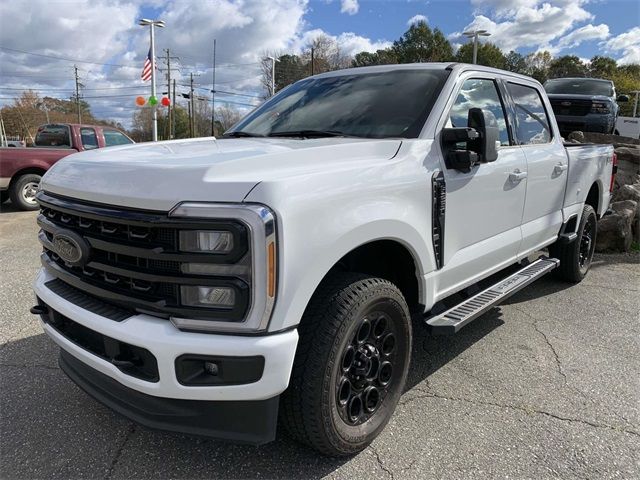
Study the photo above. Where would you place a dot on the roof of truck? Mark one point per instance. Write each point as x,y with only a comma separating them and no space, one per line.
453,66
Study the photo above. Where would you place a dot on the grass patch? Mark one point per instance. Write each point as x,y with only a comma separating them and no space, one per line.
635,246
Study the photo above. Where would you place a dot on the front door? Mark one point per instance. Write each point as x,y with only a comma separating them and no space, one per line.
484,206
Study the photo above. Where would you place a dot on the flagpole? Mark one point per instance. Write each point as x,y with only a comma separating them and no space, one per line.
154,112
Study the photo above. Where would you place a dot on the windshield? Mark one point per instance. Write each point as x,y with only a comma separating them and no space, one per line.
377,105
579,86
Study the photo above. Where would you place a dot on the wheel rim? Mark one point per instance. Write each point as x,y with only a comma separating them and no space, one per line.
366,373
587,244
29,191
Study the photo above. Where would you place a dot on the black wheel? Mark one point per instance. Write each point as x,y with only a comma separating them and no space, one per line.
23,191
4,196
575,258
350,366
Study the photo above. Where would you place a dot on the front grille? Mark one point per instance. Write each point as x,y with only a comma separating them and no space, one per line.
576,108
134,260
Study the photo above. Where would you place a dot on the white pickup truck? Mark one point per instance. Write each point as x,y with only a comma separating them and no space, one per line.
210,286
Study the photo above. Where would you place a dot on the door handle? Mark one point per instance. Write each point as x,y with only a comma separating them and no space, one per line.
561,167
517,176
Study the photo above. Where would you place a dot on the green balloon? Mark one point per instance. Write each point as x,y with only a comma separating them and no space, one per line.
153,100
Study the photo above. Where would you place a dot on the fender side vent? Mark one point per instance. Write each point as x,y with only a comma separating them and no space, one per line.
439,196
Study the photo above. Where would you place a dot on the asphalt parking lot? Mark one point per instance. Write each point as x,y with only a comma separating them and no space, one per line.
546,386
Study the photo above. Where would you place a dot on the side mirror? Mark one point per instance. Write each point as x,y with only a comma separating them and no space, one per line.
485,123
623,98
459,159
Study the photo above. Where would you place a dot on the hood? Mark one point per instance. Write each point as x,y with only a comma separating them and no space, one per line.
157,176
571,96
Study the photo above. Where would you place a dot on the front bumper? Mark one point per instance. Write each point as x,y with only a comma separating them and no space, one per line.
240,421
167,343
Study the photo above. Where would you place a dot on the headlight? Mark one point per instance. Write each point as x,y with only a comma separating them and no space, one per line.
206,241
600,107
241,273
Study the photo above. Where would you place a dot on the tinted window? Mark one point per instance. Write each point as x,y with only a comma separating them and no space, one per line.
386,104
579,86
532,123
53,136
89,138
479,93
113,137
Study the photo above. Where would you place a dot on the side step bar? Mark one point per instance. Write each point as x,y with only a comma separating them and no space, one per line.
452,320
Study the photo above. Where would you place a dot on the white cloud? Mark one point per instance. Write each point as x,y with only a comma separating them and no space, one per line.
244,29
530,24
349,7
349,43
416,19
628,43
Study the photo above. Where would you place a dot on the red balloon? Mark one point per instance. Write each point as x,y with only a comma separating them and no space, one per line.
165,101
140,101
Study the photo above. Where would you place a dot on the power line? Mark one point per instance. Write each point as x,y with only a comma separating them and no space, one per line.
65,59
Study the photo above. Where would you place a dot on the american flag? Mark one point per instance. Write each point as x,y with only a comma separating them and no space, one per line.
146,68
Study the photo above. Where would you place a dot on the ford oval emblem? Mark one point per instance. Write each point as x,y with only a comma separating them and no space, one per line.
71,247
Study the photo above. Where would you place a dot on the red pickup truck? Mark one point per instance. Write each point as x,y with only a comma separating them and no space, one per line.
22,168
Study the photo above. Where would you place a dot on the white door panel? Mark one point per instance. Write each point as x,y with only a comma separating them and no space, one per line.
485,204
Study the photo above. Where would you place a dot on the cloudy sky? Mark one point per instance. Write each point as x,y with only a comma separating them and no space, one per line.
41,40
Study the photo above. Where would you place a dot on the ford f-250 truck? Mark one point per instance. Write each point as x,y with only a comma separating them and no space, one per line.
209,286
584,104
22,168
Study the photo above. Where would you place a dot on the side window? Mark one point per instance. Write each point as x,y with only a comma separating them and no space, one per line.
531,117
479,93
113,137
89,138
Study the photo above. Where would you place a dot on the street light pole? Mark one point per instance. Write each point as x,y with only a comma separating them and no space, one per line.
154,112
475,34
273,75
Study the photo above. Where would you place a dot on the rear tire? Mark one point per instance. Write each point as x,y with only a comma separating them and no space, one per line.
575,258
23,190
351,364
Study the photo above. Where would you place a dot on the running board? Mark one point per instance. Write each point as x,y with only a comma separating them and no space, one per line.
452,320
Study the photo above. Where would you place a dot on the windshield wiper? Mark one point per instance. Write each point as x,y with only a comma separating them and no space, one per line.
309,134
241,134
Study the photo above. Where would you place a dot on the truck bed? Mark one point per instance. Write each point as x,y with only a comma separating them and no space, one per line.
586,162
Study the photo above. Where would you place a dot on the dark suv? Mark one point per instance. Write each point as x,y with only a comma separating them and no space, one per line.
584,104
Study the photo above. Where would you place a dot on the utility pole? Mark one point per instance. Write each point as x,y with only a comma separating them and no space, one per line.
192,123
75,67
173,117
172,98
213,93
169,89
312,62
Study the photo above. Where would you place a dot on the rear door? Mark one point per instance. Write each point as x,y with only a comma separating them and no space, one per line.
484,206
547,166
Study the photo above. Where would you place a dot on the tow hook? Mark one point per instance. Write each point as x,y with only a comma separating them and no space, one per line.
39,310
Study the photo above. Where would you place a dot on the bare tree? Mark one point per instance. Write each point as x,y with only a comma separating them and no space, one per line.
227,116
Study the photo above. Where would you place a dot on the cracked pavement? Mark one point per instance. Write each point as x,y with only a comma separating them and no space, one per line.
545,386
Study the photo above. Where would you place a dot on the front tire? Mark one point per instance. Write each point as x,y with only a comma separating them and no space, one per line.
23,191
351,364
575,258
